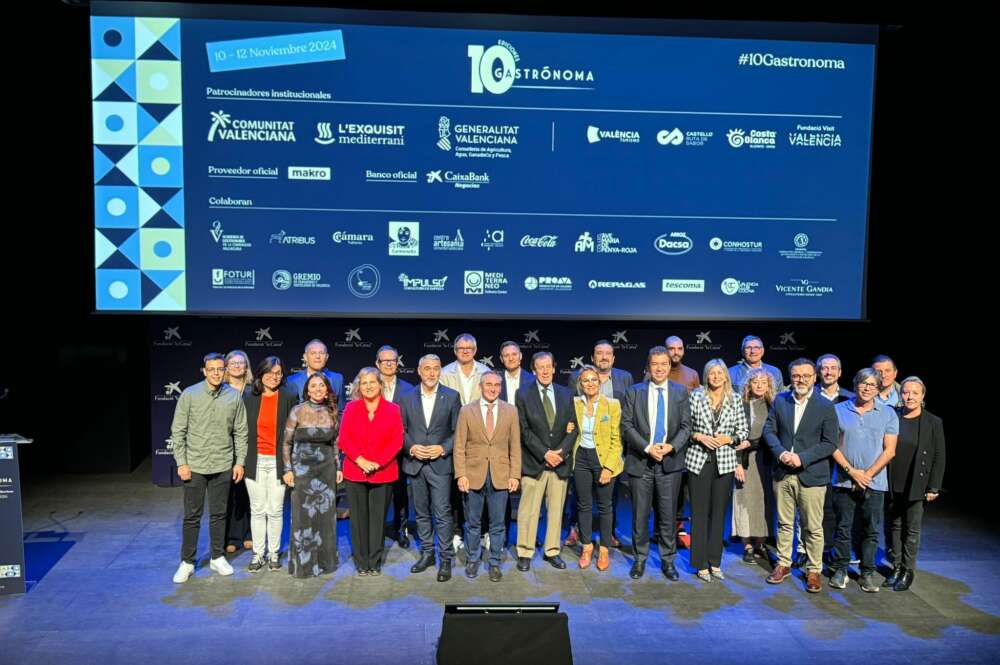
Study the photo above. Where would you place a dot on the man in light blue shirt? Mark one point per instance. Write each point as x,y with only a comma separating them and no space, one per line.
752,350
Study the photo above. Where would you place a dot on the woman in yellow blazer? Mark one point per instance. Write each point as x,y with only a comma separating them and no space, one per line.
597,459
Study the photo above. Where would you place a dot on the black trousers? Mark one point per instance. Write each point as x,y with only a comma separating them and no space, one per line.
905,520
368,503
400,502
216,486
238,515
663,487
586,475
710,496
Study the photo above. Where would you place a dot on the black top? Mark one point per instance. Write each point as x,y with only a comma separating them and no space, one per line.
906,451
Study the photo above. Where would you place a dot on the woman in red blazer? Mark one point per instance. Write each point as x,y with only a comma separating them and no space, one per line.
371,436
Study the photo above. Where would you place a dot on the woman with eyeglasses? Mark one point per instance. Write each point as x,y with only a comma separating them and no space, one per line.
268,405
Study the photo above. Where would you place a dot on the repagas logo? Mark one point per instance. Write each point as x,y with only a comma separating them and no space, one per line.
225,128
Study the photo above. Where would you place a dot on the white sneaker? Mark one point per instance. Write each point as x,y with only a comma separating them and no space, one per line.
221,566
184,571
457,542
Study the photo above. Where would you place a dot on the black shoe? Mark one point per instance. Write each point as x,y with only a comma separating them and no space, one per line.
495,574
638,570
444,572
904,581
748,557
376,571
524,563
670,571
555,561
897,574
425,561
472,569
257,564
402,540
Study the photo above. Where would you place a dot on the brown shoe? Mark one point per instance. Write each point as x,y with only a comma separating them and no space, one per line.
572,539
779,574
588,553
813,583
603,561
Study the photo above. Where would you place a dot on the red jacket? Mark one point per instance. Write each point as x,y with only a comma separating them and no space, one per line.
378,440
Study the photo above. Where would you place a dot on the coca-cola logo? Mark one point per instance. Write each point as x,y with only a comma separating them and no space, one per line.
547,241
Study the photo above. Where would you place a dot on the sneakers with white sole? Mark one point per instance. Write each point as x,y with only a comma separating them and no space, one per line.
221,566
184,571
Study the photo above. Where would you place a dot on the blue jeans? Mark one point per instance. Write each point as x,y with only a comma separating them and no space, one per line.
867,507
496,503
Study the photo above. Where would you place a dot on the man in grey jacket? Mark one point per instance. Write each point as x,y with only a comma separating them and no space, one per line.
209,435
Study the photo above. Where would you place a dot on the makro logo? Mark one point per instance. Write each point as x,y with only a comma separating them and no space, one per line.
757,138
225,128
546,241
673,244
347,238
308,172
495,70
364,281
683,285
422,283
233,279
732,286
596,134
404,238
282,238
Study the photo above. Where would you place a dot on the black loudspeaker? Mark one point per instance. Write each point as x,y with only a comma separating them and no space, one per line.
490,633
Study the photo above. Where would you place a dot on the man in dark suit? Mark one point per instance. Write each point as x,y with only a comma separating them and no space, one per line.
430,414
513,376
394,389
802,432
548,431
656,426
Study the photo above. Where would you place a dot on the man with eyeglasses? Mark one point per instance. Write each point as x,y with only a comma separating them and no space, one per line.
801,430
868,432
393,389
209,434
752,350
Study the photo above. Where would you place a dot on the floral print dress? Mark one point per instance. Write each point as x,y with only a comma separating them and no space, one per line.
310,452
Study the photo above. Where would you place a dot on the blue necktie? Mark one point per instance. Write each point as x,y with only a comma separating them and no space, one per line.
660,431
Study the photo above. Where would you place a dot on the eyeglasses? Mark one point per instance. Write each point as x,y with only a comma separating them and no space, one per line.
465,348
236,363
275,374
388,361
802,377
871,386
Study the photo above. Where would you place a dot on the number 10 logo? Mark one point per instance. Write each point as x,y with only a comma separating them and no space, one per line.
496,80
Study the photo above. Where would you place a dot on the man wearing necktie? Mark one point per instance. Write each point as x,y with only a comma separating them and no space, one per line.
548,432
656,425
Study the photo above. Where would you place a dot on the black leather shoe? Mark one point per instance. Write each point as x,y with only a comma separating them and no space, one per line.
472,569
523,564
426,561
495,574
555,561
748,557
897,574
444,572
638,570
402,540
904,581
670,571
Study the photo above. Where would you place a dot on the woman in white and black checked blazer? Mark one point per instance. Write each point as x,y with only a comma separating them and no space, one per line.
719,423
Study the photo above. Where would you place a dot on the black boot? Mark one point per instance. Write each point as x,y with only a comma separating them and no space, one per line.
904,581
897,573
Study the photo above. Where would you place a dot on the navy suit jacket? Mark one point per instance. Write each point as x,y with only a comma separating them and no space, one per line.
621,380
536,436
441,432
526,378
297,382
814,441
402,387
636,427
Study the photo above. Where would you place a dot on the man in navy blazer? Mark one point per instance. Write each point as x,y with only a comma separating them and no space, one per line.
513,377
656,426
801,431
548,431
614,381
393,389
430,413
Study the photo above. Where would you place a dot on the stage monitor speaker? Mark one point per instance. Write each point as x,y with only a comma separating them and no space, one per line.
489,633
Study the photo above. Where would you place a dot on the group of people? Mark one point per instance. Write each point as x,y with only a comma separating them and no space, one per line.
816,463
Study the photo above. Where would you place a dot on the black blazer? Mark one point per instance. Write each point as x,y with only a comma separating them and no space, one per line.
536,437
402,388
815,440
286,401
621,380
526,378
444,417
928,466
636,427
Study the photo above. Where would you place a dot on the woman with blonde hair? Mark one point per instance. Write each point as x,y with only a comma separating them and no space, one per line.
753,495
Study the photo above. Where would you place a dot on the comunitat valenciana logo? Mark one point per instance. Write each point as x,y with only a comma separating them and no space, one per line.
226,128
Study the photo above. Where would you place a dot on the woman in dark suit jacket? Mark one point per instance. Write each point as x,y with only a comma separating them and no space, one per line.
268,404
915,476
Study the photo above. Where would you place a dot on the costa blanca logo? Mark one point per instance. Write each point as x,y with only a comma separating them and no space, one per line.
732,286
756,138
364,281
670,137
673,244
404,238
281,280
225,128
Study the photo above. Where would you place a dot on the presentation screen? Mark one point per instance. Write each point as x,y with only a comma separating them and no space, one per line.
265,160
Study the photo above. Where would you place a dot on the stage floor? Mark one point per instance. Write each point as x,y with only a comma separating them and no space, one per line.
102,550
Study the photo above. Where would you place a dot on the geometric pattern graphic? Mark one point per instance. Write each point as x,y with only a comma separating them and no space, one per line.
139,253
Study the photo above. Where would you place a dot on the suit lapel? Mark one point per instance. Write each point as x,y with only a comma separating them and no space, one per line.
643,406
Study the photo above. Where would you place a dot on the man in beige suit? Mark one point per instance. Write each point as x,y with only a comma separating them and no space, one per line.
487,468
464,374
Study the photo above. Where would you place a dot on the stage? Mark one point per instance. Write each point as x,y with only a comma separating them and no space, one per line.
101,550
